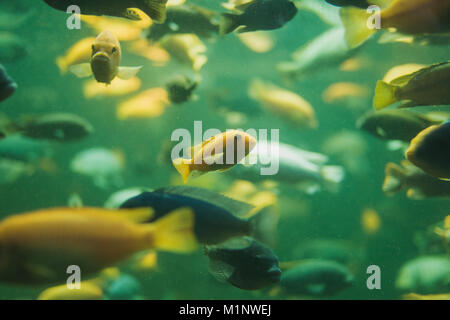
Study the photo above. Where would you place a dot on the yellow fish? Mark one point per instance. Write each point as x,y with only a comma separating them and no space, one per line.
105,61
211,154
341,91
118,87
80,52
187,48
406,16
87,291
415,296
38,247
147,104
289,105
370,220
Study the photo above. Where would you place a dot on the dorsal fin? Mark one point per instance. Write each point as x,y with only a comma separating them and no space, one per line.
237,208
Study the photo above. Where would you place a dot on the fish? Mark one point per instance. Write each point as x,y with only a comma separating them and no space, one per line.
87,291
316,278
257,15
61,127
295,166
118,87
400,125
180,89
244,263
217,217
7,85
418,184
17,147
155,9
104,166
214,154
423,16
12,170
124,30
187,49
288,105
105,61
80,52
150,103
38,246
430,150
401,70
346,93
150,51
116,199
425,87
326,50
427,274
186,18
258,41
12,48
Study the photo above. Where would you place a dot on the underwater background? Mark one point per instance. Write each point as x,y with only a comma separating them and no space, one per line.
230,67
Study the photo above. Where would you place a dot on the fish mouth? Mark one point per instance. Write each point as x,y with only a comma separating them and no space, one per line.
100,56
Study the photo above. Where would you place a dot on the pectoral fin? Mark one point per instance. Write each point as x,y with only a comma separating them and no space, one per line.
82,70
126,73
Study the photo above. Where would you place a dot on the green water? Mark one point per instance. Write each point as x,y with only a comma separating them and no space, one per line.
230,66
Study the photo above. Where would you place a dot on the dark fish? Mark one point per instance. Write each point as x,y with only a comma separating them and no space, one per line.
216,216
7,85
258,15
16,147
418,184
186,18
180,89
244,263
12,48
155,9
430,151
62,127
395,124
345,3
316,278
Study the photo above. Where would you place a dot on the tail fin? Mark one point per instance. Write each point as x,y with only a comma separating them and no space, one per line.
264,224
155,9
174,232
394,180
355,23
183,168
61,63
332,175
384,95
228,23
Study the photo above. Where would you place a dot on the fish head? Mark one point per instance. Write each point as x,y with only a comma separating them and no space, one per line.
106,56
289,11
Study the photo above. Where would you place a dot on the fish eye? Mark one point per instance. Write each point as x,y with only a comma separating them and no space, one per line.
114,49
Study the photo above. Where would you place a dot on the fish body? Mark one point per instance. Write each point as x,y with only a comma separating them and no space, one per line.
186,18
125,287
327,49
62,127
425,275
316,278
155,9
39,246
80,52
287,104
244,263
258,15
7,85
426,87
187,49
406,16
215,220
180,89
105,61
16,147
394,124
214,154
430,151
87,291
295,165
418,184
345,3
